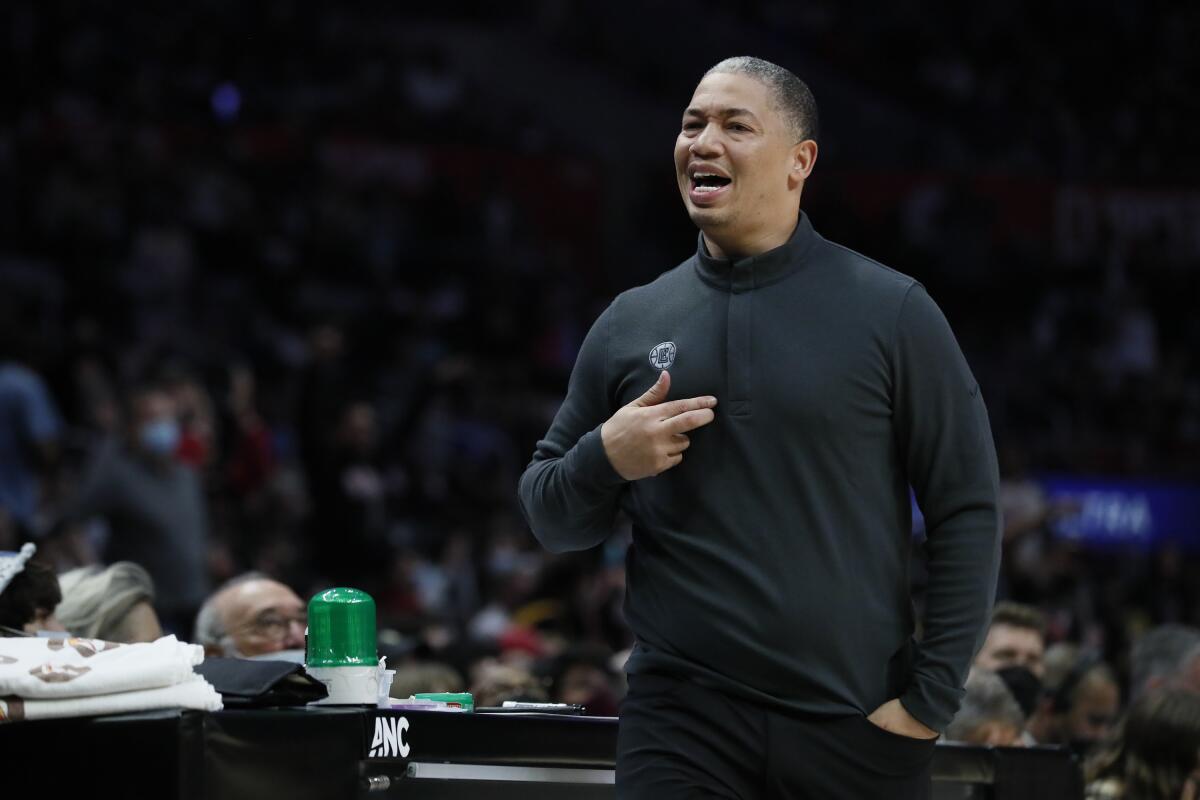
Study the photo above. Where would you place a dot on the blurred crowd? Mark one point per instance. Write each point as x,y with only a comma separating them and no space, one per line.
1137,737
280,297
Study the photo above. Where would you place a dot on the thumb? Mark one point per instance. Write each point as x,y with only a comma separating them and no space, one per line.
656,393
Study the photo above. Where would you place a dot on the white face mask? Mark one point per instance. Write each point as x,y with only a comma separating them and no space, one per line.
295,656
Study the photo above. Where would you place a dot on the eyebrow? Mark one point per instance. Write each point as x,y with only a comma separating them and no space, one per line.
724,112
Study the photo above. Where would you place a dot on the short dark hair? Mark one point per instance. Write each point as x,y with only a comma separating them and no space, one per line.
34,589
792,95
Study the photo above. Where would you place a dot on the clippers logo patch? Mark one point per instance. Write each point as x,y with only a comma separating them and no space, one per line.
663,355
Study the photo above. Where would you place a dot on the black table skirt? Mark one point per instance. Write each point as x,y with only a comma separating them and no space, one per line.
336,753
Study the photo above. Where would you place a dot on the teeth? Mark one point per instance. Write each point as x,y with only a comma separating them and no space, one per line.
708,188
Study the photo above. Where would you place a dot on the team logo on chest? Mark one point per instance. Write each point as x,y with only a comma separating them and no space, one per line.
663,355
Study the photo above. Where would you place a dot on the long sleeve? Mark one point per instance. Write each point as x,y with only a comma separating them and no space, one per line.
569,491
945,440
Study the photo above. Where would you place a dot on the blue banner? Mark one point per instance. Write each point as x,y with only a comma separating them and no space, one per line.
1118,514
1126,513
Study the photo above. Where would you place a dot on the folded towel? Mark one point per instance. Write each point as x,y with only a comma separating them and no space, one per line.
194,693
44,669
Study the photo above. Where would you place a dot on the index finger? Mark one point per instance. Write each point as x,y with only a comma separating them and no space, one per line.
676,407
688,420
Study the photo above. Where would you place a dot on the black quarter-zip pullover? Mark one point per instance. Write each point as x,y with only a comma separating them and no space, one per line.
772,563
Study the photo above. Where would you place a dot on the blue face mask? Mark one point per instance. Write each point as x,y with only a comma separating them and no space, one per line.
53,634
160,437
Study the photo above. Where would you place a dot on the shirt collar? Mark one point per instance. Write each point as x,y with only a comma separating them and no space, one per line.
752,272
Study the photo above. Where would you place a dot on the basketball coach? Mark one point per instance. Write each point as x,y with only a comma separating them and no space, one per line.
760,412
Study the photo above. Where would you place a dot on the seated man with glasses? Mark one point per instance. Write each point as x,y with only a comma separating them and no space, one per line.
253,616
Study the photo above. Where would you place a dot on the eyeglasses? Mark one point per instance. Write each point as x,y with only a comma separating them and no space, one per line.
273,626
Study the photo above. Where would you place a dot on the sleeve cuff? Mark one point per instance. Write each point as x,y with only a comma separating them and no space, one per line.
588,465
933,705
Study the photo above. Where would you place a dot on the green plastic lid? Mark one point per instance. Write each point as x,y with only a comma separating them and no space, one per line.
341,629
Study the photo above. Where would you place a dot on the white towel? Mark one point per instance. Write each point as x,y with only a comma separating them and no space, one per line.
44,669
195,693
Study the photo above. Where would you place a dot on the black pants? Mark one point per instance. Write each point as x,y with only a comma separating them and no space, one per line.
681,740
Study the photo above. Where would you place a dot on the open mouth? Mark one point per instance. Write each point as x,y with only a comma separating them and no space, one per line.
706,186
708,182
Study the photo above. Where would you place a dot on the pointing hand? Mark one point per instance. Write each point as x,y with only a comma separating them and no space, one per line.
649,435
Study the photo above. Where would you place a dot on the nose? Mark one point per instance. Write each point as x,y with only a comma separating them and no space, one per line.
707,142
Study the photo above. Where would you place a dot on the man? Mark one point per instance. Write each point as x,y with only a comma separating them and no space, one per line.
1168,655
1014,649
154,506
766,475
29,593
252,616
1016,638
989,714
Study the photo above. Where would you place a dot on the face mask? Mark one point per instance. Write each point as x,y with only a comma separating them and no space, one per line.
53,634
160,437
295,656
1024,685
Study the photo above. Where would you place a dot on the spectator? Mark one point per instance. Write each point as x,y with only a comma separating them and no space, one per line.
253,616
1153,754
1014,650
989,714
1016,638
1079,710
493,683
29,437
29,594
114,603
194,411
1092,706
583,675
154,506
1168,655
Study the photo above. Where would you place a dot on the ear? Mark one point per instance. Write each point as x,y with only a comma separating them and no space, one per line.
804,158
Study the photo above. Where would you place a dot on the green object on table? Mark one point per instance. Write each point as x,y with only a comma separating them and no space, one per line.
341,629
464,699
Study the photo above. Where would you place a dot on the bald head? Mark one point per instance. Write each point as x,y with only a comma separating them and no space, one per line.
251,615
